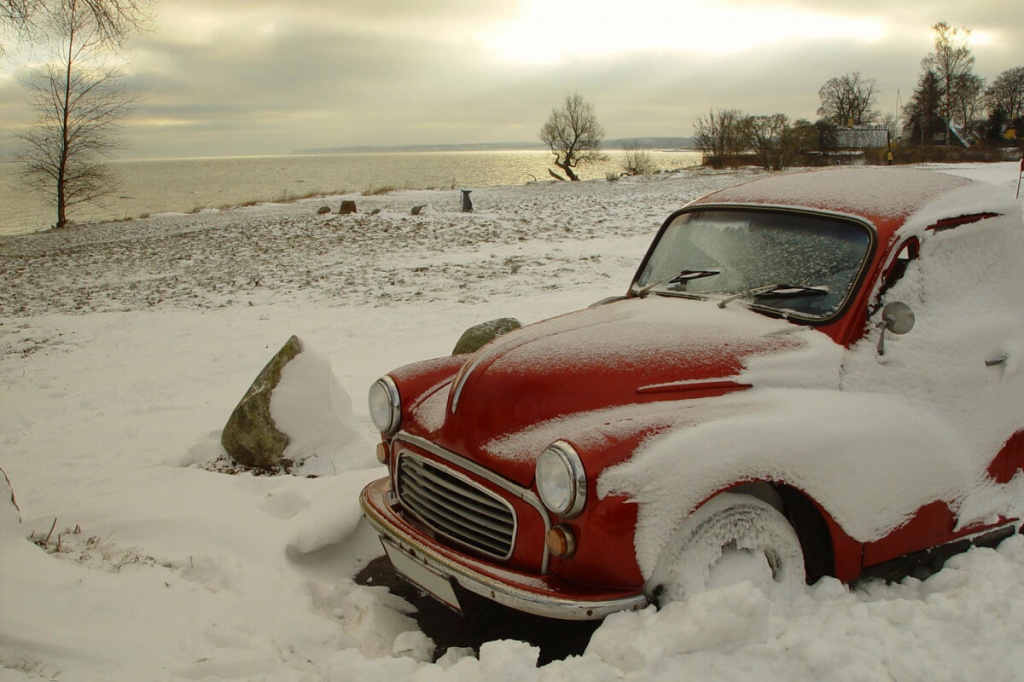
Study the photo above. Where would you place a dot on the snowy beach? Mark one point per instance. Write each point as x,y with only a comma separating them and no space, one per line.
125,346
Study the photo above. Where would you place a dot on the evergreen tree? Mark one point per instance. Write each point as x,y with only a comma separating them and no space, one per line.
922,113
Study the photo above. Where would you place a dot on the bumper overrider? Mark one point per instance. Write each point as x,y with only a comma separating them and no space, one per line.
444,572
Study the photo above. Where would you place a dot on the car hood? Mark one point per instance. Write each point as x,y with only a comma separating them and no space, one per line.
628,352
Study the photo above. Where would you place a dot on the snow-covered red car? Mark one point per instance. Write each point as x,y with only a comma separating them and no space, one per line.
812,374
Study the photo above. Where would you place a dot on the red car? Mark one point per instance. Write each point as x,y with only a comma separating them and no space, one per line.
815,373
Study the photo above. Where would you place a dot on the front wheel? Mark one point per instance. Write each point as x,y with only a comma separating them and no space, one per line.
730,539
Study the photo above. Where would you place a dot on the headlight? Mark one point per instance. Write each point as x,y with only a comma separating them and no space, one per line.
385,406
561,480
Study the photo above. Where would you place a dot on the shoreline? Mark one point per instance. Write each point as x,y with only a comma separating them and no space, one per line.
190,185
546,231
250,255
359,196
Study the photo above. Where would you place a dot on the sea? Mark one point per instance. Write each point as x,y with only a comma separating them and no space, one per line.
155,186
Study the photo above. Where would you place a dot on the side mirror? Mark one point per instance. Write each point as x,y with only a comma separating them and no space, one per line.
898,318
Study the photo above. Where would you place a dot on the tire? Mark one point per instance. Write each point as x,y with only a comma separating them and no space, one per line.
731,539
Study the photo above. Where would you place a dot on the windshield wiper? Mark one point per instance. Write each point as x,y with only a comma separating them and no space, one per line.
776,290
678,278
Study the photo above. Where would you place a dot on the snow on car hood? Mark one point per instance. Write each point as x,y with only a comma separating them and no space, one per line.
604,358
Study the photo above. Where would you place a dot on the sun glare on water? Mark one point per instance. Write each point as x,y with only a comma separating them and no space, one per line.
550,31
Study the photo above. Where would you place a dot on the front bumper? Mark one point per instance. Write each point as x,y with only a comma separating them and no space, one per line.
439,569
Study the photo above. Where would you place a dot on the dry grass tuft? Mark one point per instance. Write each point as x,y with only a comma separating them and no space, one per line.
373,191
91,551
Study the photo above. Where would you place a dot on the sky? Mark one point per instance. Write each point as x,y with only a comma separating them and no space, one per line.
244,77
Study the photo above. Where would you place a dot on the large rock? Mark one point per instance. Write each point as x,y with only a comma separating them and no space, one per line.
478,335
251,437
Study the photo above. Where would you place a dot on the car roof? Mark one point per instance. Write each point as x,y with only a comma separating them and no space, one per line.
883,196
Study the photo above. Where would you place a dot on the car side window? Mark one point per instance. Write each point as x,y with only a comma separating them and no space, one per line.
897,269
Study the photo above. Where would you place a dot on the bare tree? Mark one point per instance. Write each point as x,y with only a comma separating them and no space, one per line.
848,100
805,137
891,122
718,136
80,99
953,64
1006,93
771,138
970,102
573,135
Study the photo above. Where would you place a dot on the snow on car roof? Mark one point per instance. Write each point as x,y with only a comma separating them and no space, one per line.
875,193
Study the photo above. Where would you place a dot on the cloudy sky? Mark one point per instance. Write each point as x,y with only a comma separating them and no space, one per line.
238,77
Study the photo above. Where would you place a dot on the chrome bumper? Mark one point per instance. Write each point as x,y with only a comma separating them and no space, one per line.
424,562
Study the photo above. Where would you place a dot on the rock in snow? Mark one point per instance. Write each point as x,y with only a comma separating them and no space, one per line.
295,415
476,336
251,437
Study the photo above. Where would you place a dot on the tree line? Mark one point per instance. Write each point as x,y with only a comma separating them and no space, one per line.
950,103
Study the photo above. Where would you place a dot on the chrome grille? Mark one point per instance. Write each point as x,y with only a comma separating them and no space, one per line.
455,507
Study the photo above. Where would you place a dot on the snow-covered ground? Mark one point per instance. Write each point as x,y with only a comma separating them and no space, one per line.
126,346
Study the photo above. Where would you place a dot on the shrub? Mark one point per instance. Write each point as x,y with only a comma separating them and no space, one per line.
638,161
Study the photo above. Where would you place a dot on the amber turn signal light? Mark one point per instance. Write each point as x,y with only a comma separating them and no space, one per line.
383,453
560,542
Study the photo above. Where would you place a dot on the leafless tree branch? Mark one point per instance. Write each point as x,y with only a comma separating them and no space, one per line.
573,135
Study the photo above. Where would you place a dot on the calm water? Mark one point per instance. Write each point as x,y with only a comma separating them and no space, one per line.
183,185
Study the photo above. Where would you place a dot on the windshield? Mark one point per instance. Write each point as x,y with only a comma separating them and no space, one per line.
794,263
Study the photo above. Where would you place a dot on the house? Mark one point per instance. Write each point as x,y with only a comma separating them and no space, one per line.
938,133
862,137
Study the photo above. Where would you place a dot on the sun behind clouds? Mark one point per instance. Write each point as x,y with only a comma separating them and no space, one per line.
552,31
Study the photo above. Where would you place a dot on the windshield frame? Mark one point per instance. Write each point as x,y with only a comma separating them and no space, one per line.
635,289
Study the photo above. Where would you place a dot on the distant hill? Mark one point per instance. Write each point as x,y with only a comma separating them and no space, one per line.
650,143
642,142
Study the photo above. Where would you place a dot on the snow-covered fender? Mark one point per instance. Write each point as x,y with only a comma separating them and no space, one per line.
868,461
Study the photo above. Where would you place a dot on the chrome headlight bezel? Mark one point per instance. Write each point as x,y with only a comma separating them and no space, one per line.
561,480
385,405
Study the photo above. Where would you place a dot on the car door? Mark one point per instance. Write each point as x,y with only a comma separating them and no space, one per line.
959,364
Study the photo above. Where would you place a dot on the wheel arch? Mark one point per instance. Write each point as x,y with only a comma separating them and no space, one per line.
808,520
